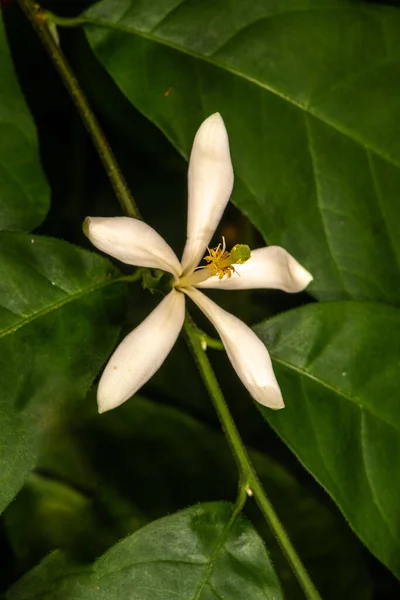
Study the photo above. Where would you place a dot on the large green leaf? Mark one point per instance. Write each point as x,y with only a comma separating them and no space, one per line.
204,552
310,95
102,477
24,193
338,366
58,322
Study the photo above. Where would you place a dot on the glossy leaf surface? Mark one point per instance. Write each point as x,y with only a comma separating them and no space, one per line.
24,193
203,552
338,366
310,94
58,323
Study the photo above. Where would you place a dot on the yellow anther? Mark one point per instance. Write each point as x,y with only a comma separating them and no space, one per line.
221,262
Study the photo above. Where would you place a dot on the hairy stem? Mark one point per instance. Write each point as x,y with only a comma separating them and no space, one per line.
38,19
248,477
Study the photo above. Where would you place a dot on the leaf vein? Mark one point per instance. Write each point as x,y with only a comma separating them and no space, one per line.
350,78
333,389
369,480
318,197
55,306
315,434
215,591
210,563
379,203
230,69
167,15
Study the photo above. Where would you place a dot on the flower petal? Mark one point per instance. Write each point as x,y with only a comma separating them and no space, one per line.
141,353
247,353
271,268
132,242
210,181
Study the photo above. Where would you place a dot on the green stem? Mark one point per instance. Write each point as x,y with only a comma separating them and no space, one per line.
63,21
248,476
135,276
210,342
206,340
38,19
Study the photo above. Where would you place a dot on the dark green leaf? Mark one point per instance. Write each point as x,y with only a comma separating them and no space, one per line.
338,366
145,460
24,193
203,553
46,514
310,95
58,322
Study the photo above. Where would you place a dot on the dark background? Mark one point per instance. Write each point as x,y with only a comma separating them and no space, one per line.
112,497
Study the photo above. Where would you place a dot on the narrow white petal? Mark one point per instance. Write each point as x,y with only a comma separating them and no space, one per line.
132,242
247,353
271,268
141,353
210,182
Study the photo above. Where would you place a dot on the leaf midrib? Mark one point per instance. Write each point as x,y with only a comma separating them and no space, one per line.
269,88
56,305
219,545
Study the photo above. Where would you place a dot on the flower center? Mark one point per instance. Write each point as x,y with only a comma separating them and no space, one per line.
220,263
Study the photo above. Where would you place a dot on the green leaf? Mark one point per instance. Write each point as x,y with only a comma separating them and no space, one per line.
310,95
45,515
59,319
24,193
177,461
338,367
204,552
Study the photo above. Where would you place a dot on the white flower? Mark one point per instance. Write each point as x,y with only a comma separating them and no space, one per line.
133,242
